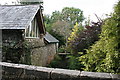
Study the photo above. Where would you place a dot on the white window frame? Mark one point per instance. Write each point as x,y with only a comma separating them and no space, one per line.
33,30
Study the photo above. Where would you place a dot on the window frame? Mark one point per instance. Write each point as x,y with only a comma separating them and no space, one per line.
32,31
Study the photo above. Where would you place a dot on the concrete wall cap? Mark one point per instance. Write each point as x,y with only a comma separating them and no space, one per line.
95,74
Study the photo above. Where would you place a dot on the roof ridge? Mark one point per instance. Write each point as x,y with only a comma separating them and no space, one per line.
22,5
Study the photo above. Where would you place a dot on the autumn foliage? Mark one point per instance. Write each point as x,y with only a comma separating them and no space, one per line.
82,37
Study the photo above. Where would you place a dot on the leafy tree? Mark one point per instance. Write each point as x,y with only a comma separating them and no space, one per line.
56,16
75,32
81,39
58,28
68,16
60,23
72,15
104,55
48,23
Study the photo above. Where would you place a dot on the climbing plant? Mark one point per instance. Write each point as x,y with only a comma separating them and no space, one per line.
16,52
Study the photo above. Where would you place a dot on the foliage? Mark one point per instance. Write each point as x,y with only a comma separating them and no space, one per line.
26,56
104,55
75,31
58,37
61,27
56,16
66,18
72,15
61,49
66,62
73,62
83,38
16,52
60,23
48,23
64,21
58,62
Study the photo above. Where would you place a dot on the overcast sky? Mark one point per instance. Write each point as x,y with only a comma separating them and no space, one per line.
89,7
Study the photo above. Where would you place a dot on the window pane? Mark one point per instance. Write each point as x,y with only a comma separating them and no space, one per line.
30,30
37,30
27,31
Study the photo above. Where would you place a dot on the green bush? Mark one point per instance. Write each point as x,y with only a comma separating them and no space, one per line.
57,62
73,62
104,55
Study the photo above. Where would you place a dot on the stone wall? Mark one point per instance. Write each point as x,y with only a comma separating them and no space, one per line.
41,53
27,72
11,41
11,36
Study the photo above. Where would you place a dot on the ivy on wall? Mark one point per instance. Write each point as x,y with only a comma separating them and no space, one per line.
16,52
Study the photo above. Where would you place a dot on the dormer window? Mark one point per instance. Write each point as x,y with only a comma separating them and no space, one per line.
32,31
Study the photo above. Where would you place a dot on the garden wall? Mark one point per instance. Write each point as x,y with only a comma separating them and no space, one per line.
27,72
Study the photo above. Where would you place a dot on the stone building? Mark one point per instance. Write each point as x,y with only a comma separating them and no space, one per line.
22,27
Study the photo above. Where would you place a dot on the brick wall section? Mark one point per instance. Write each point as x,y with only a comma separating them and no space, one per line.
17,71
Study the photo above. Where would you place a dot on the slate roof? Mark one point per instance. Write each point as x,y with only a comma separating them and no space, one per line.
50,39
17,16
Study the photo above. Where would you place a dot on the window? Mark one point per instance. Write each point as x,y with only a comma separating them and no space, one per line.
32,31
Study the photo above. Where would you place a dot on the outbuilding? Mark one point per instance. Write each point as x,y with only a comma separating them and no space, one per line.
21,23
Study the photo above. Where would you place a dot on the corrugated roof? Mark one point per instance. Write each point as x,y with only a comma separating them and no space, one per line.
50,39
17,17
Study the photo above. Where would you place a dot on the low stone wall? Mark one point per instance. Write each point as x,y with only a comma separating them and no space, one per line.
27,72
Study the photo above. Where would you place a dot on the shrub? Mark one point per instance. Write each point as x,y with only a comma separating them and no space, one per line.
104,55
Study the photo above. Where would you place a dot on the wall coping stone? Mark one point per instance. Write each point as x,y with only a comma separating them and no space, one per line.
64,73
96,75
56,73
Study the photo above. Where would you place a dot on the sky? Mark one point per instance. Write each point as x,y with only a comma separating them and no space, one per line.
89,7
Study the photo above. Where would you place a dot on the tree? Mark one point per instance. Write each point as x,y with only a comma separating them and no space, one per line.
72,15
74,34
62,22
104,55
68,15
81,38
56,16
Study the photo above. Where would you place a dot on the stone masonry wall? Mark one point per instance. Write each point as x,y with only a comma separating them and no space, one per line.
11,42
27,72
41,54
